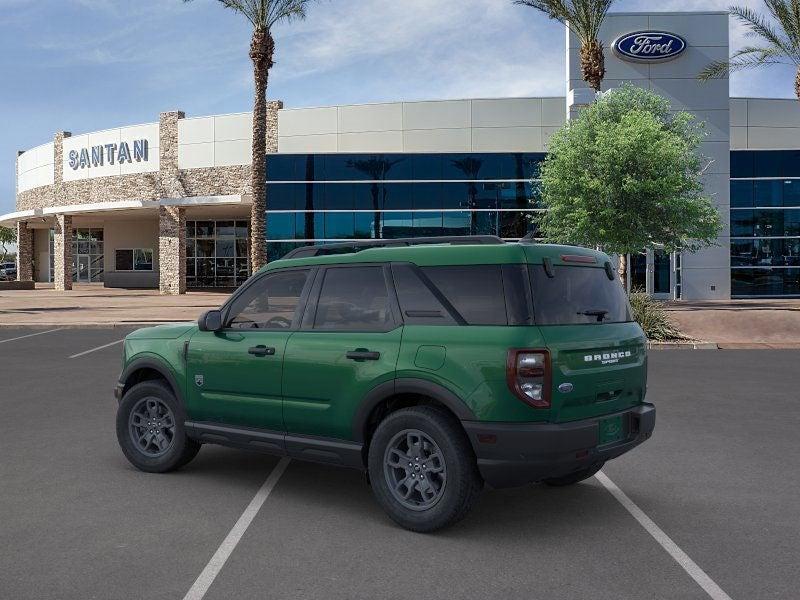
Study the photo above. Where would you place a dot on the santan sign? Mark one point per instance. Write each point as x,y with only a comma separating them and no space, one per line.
97,156
649,46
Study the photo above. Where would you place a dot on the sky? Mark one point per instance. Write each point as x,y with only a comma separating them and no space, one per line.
86,65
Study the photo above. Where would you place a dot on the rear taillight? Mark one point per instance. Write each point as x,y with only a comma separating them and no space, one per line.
528,376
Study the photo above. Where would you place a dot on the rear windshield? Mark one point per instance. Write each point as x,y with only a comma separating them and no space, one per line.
576,296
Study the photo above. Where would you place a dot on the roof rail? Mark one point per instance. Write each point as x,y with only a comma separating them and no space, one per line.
357,246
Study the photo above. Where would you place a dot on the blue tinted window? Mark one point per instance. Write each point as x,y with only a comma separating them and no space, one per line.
427,224
339,196
791,192
791,222
367,196
457,223
280,226
455,195
768,193
339,225
398,225
484,223
281,167
741,194
312,196
742,164
768,163
396,196
484,195
426,195
282,196
790,163
367,225
309,226
426,166
742,223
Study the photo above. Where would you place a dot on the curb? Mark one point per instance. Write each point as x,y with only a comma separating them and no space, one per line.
96,325
682,346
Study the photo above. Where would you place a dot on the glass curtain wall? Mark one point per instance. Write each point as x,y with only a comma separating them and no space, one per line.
217,253
765,223
327,198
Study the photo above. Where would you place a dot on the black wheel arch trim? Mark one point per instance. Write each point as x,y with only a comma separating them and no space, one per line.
156,365
407,385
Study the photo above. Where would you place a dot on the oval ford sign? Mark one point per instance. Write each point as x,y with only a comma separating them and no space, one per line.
649,46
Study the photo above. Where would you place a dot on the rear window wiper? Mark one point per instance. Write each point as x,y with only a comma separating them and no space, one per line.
600,314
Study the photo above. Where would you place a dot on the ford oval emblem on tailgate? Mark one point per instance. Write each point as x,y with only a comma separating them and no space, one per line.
566,388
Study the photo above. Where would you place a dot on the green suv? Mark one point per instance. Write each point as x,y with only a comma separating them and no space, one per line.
434,365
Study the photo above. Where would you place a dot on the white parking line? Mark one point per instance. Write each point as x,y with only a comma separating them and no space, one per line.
214,566
22,337
688,565
96,349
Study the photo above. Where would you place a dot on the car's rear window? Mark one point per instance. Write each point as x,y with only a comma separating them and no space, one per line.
577,295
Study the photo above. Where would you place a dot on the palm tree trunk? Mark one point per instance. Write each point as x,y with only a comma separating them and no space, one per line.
593,64
622,271
797,84
262,48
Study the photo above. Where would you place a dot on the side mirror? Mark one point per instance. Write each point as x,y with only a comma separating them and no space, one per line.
210,321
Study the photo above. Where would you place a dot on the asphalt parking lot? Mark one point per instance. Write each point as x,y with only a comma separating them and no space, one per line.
719,478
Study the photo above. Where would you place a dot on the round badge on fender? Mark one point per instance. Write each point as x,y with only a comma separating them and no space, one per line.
566,388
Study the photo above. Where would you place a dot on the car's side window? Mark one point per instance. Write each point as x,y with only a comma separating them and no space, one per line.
353,299
417,302
269,303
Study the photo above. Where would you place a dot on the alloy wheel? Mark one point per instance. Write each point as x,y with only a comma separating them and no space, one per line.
415,470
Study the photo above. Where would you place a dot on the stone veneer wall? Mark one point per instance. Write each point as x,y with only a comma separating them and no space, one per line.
62,251
169,182
172,250
24,252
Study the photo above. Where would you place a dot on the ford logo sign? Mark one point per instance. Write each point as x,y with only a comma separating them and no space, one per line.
649,46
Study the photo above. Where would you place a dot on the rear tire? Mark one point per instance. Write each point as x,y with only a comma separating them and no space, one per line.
422,469
575,477
150,428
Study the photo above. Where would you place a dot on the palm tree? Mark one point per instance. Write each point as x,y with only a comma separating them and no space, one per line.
262,15
584,19
780,42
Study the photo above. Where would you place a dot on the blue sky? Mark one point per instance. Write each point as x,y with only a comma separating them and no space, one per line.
84,65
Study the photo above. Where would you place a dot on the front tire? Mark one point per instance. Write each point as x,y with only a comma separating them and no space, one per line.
150,428
423,470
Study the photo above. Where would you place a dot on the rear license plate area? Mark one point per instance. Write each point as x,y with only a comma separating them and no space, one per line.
611,430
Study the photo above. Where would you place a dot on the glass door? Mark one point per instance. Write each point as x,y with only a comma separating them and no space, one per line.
662,273
83,269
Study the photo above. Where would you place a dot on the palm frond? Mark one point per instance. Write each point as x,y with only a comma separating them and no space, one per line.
745,58
783,11
759,26
583,17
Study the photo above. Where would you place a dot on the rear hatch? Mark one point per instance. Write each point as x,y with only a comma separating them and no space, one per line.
598,354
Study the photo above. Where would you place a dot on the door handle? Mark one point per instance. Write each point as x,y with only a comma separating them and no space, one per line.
261,350
361,354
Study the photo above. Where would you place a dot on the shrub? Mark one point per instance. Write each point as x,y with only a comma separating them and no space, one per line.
653,319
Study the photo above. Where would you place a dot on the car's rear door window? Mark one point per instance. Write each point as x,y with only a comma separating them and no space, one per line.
354,299
577,295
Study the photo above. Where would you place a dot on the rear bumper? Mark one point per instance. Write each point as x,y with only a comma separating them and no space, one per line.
513,454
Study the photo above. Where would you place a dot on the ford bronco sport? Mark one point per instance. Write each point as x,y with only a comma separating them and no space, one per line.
433,365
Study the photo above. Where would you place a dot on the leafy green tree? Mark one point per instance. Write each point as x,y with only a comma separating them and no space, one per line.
625,176
584,18
778,37
8,236
263,15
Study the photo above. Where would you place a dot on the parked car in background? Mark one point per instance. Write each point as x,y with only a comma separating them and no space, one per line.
8,271
433,367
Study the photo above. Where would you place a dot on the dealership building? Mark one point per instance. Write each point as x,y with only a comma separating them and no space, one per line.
167,204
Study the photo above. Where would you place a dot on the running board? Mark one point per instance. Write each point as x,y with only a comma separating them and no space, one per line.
301,447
